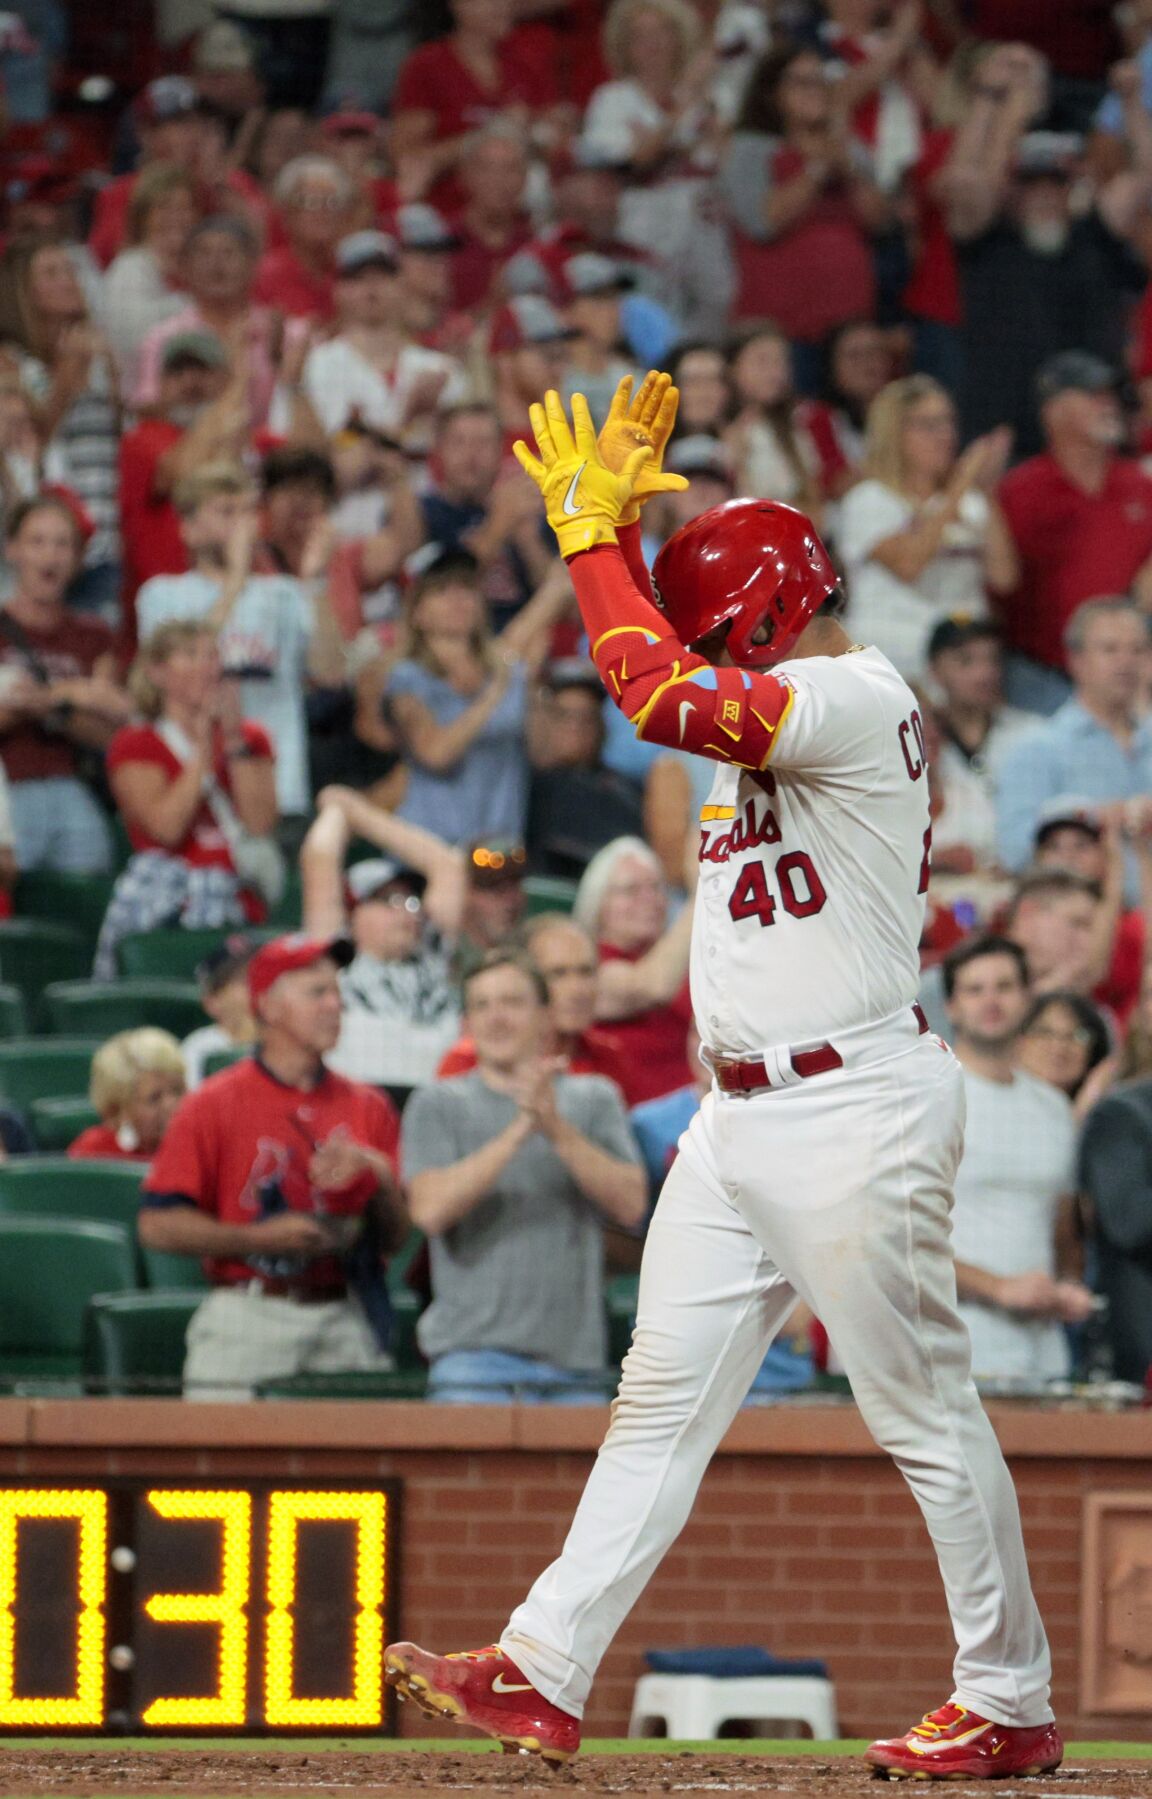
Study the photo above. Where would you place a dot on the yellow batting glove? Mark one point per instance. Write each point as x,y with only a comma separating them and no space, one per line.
583,497
635,421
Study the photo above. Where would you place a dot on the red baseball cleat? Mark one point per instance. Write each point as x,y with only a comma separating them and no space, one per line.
953,1744
482,1687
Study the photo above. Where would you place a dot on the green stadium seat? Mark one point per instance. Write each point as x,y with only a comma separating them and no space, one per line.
361,1385
50,1268
35,951
289,908
58,1187
13,1012
406,1309
171,955
55,1123
163,1271
134,1342
45,1068
224,1058
548,893
621,1292
175,955
101,1008
76,900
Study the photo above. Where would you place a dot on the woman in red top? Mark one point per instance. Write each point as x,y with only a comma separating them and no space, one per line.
802,203
137,1083
452,87
195,787
643,1008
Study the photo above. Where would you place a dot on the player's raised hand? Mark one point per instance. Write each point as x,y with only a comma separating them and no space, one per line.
635,421
583,497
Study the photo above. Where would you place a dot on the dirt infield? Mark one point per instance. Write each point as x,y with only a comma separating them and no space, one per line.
432,1774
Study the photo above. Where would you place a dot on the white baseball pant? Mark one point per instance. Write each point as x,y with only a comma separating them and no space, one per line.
837,1190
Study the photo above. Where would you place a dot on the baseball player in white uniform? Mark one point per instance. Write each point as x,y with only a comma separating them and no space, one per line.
820,1166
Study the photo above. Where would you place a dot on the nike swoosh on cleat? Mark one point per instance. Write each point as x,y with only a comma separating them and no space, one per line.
685,707
500,1685
569,505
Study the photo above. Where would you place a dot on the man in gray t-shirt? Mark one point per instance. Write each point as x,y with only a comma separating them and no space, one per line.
512,1171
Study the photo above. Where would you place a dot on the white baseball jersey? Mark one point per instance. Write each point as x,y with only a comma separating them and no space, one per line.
813,873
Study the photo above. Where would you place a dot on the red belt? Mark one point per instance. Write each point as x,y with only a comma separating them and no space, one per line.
303,1293
753,1077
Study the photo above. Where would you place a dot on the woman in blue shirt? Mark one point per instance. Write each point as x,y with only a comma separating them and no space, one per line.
459,702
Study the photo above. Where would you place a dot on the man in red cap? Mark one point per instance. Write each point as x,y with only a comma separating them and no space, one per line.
820,1165
281,1175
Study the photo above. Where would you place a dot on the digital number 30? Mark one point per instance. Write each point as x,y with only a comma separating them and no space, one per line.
226,1608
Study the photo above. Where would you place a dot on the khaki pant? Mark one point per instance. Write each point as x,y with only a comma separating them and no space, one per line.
239,1338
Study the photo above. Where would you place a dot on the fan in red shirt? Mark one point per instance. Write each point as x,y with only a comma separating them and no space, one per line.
588,182
643,1007
492,226
317,203
165,772
803,202
354,141
196,789
566,957
1081,514
137,1083
202,416
280,1174
450,88
170,120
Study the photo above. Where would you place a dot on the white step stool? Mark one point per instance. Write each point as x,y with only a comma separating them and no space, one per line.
692,1707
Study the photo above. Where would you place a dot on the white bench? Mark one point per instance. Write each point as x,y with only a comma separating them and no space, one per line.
692,1707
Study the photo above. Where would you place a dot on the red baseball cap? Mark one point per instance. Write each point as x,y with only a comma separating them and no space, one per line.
286,954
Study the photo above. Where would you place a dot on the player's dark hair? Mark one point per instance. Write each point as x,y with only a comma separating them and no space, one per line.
836,603
509,957
974,949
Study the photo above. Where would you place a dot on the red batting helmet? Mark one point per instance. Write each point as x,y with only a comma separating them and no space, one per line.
750,562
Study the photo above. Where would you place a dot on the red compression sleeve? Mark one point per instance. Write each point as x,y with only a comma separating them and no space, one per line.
671,695
629,537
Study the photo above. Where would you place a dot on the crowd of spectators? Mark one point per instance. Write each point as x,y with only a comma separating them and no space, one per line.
285,644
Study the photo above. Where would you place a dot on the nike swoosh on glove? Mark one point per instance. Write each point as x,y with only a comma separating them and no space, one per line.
583,497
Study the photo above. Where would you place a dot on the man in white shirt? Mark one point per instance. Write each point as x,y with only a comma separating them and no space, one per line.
273,635
1011,1224
371,368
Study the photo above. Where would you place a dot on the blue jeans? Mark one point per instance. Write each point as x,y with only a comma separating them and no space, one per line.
783,1370
497,1377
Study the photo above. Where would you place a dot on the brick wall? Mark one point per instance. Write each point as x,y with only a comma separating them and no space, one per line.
804,1539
